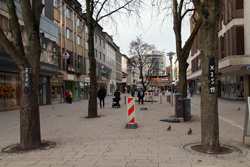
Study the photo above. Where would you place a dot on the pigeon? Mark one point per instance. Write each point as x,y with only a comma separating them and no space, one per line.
189,131
169,127
53,107
238,108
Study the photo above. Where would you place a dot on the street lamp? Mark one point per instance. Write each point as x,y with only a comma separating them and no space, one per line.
170,54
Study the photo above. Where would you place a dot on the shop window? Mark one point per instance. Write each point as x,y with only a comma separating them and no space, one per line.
10,91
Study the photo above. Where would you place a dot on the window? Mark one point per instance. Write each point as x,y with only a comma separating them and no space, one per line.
100,55
95,53
95,38
43,11
103,57
78,22
79,40
69,34
100,41
87,30
103,44
56,3
87,45
68,13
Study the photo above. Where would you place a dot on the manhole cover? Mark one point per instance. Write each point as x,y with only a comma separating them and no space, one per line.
233,151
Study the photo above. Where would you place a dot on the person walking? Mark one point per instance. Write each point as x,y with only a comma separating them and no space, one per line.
117,97
101,96
140,95
191,90
67,96
70,97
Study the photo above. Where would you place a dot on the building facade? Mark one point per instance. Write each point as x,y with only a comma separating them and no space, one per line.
233,57
10,90
72,35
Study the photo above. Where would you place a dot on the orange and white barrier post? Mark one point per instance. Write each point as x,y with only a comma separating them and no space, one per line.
146,96
136,96
131,114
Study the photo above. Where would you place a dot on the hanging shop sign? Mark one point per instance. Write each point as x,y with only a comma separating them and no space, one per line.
65,55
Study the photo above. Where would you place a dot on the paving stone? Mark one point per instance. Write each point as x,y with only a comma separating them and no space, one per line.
104,142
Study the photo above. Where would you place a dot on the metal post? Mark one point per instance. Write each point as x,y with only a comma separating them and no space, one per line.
130,80
170,54
125,99
161,99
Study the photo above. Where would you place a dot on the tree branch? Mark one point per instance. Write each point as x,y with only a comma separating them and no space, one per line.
198,7
180,9
17,37
11,50
189,42
188,10
37,8
121,7
102,5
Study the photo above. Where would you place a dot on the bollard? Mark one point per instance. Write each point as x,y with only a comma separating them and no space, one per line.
131,114
151,97
125,99
160,99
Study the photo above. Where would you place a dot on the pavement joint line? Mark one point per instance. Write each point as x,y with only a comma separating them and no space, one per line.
225,119
42,118
230,122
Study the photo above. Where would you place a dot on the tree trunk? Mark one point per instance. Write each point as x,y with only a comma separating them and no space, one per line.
30,136
92,108
209,102
183,65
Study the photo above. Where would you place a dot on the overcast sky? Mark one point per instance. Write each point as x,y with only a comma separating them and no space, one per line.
152,32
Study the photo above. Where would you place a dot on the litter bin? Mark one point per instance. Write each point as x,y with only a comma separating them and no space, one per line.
168,98
178,105
187,109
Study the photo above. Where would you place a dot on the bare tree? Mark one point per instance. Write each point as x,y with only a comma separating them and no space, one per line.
28,61
97,10
209,11
183,51
142,61
181,9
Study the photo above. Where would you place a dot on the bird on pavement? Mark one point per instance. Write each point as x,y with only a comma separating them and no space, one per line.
238,108
189,131
169,127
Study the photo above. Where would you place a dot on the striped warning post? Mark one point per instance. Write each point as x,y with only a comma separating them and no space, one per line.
146,96
131,114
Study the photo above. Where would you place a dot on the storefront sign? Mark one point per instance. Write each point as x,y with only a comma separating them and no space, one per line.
56,82
71,69
70,77
211,76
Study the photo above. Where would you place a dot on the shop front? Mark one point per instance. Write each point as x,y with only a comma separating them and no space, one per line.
10,91
57,90
44,90
232,87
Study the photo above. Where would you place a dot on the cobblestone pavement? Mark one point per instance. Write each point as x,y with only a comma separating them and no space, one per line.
104,141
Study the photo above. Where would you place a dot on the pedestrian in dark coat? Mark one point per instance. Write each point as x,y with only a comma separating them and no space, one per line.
191,90
101,96
140,95
117,97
